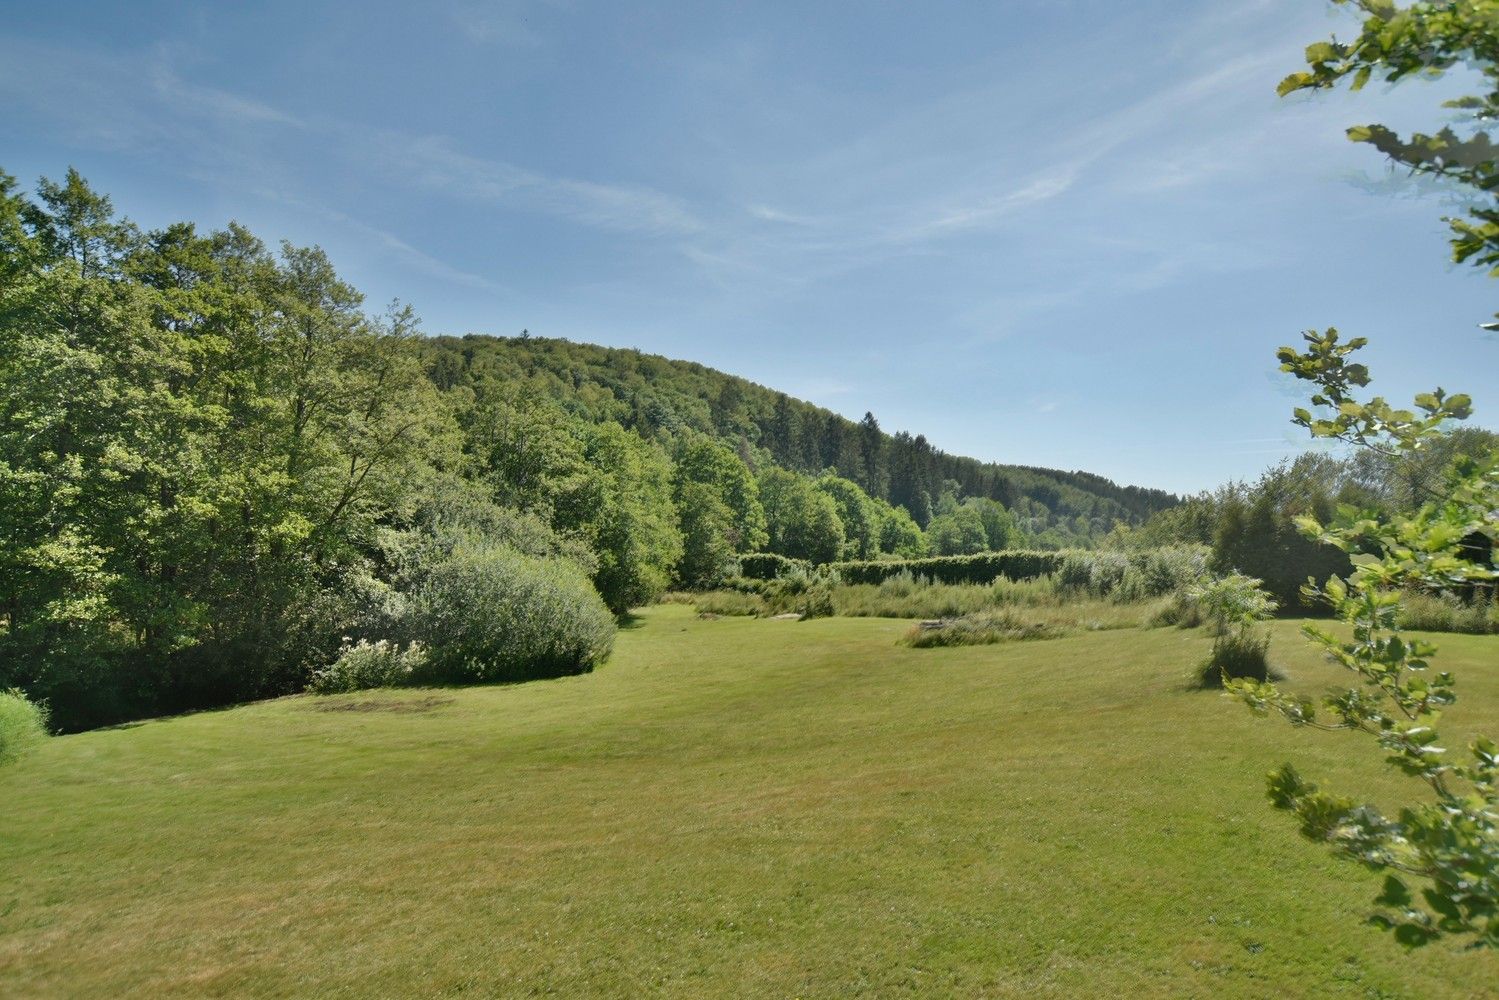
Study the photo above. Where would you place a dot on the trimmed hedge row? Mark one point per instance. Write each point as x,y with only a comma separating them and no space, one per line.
981,568
769,565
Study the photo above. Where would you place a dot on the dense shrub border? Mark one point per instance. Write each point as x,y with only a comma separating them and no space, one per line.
770,565
982,568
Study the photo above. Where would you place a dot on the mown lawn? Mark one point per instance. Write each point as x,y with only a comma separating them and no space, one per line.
728,808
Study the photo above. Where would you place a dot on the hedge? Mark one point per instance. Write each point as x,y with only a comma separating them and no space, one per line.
769,565
982,568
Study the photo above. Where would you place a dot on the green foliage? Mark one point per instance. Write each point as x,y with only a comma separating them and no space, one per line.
199,434
1000,530
1233,606
23,725
729,603
958,533
769,565
633,527
984,628
719,510
1039,600
857,515
1449,841
803,519
1423,41
1132,575
495,615
599,484
1421,612
364,665
809,594
905,596
900,535
658,397
1257,535
1092,572
982,568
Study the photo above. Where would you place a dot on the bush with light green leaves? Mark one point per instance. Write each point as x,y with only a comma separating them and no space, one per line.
23,725
493,614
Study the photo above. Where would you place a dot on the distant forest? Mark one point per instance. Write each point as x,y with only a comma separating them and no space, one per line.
650,394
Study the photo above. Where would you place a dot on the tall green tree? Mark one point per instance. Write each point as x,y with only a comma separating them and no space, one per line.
634,529
856,513
803,520
718,506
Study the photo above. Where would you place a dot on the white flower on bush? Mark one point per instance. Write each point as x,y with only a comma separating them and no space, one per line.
366,664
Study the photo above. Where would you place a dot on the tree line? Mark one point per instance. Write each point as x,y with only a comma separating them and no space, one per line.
1251,527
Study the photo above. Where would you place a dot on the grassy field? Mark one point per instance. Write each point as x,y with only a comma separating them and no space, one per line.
728,808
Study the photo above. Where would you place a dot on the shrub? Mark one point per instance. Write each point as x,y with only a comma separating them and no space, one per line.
496,615
23,725
982,568
1448,613
1041,590
769,565
814,602
728,602
1180,610
1106,572
370,665
1133,576
1237,655
1234,605
809,594
980,629
1172,568
902,584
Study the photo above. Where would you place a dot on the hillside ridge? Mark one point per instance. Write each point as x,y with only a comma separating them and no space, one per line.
654,394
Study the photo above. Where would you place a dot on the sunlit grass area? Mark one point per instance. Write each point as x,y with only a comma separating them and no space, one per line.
732,807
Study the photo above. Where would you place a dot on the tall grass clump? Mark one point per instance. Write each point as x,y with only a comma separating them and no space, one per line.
496,615
1449,613
1003,625
732,603
23,725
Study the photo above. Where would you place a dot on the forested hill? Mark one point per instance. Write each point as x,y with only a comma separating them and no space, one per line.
652,394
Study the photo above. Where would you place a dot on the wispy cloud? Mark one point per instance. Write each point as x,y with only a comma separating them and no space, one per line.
417,259
501,22
435,162
135,102
989,208
210,102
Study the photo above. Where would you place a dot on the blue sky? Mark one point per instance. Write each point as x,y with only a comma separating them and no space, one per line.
1055,232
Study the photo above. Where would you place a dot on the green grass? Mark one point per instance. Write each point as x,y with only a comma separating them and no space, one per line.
735,807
